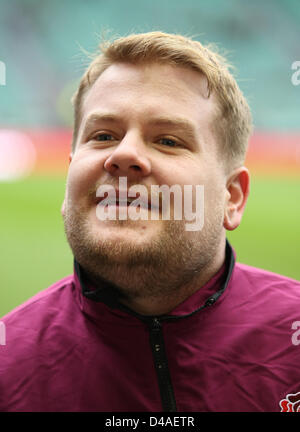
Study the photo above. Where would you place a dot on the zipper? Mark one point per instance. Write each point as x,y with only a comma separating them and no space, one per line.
161,366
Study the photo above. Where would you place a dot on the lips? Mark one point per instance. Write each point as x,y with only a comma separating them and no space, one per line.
121,199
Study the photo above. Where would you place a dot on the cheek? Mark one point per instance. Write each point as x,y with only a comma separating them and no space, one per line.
171,170
83,176
215,197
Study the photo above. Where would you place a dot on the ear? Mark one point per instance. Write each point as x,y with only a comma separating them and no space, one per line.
63,206
238,188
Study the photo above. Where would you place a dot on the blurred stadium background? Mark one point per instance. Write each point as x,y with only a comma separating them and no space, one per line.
40,46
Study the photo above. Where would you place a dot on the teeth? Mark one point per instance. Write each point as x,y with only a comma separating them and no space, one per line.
125,202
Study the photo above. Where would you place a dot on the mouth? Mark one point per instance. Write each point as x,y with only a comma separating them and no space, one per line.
122,200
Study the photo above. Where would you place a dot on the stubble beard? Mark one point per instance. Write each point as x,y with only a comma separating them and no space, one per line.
159,267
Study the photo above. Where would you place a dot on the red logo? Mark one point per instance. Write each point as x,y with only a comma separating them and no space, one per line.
291,403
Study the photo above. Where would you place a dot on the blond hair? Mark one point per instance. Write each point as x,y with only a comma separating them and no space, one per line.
233,123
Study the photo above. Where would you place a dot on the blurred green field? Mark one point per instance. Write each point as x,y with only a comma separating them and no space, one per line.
34,252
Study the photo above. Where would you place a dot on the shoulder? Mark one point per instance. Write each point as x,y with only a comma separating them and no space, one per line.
37,335
35,325
265,278
270,294
40,310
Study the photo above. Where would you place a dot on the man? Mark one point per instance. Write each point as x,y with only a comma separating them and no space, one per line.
157,316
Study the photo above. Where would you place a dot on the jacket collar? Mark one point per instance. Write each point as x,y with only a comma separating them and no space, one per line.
93,299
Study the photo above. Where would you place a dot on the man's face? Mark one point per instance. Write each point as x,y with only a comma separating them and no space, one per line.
152,124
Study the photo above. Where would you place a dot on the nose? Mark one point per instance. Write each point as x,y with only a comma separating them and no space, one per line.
129,158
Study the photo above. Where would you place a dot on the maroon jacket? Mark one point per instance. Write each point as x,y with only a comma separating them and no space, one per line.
231,346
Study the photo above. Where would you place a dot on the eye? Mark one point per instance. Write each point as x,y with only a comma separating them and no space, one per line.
168,142
103,137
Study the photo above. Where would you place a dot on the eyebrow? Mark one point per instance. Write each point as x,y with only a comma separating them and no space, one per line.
175,123
97,118
162,121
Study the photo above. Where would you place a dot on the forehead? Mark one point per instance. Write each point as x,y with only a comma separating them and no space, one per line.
151,89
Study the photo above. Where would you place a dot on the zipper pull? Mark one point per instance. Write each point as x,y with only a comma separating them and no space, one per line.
155,329
156,324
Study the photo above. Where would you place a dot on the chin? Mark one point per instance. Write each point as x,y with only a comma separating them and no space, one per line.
119,246
127,229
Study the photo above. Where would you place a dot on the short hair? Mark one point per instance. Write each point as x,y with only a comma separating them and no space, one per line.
232,123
